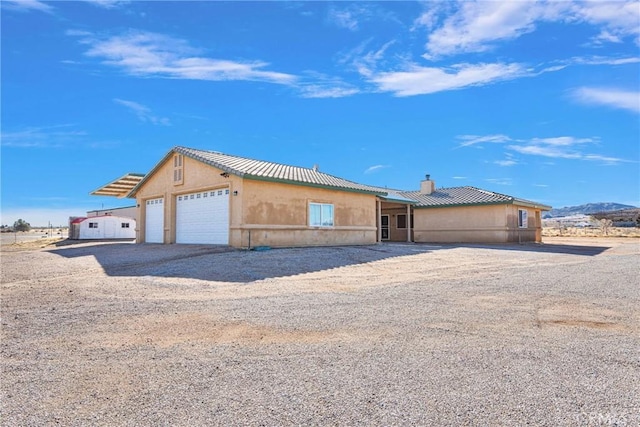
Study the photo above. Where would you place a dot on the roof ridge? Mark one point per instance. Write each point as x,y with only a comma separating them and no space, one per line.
264,169
249,158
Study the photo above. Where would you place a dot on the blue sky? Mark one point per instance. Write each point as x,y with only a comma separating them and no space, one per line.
535,100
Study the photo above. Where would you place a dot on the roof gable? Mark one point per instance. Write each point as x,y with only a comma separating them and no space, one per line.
263,170
276,172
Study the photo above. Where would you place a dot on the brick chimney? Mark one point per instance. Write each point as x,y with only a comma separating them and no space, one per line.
427,186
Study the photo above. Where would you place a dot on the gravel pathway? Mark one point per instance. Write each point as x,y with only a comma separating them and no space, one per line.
392,334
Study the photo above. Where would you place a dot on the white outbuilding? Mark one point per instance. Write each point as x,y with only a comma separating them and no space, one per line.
102,227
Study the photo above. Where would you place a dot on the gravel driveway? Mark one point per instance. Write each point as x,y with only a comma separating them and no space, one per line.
391,334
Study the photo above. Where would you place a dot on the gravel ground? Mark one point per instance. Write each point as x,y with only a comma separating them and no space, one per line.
391,334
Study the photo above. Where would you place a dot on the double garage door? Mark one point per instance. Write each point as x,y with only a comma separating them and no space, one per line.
201,217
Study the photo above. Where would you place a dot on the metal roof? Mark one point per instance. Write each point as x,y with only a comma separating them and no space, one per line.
466,196
119,187
269,171
266,171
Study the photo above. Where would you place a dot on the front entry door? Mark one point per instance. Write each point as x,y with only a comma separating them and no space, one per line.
384,227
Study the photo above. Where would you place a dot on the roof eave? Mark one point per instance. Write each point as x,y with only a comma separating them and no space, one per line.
111,189
310,184
505,202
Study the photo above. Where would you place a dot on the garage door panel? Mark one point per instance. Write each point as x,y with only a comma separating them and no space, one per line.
154,221
203,217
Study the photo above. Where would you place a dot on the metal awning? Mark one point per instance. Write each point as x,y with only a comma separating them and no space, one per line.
119,187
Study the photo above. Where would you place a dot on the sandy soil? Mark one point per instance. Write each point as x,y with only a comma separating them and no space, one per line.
395,334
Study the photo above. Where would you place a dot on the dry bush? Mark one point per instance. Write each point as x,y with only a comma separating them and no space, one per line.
591,231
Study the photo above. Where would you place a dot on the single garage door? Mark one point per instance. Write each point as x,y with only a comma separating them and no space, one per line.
203,217
154,221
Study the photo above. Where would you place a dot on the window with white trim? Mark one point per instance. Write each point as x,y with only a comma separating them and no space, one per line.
93,225
320,214
523,221
124,225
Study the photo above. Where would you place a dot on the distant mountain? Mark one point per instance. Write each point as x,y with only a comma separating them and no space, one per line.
588,209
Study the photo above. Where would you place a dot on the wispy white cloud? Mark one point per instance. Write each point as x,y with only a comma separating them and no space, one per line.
323,91
108,4
316,85
616,20
41,137
565,141
27,5
565,147
143,112
478,26
417,80
459,177
147,54
468,140
352,16
506,162
500,181
403,77
561,147
343,18
616,98
376,168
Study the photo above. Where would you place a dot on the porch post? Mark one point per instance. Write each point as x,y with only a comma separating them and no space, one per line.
408,222
378,218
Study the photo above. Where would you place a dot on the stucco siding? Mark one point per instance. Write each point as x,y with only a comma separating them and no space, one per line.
461,224
476,224
270,213
277,214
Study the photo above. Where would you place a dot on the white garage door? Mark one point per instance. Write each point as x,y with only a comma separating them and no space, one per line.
154,221
203,217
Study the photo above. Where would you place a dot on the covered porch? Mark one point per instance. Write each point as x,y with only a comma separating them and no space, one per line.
394,218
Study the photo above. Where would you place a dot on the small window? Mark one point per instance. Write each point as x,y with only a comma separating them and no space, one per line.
226,191
198,196
205,194
213,193
401,221
320,215
522,218
219,192
93,225
124,225
191,196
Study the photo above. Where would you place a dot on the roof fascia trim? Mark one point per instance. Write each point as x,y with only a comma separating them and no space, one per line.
506,202
134,190
309,184
116,180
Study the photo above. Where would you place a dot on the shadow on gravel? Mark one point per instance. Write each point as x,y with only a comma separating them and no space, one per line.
545,248
223,263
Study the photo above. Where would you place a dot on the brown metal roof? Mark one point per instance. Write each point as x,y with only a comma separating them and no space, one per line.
120,187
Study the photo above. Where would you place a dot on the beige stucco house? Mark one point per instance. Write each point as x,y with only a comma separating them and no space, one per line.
197,196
